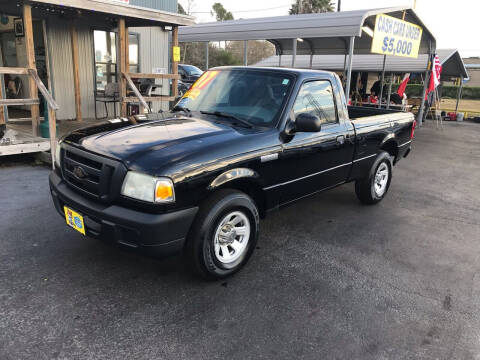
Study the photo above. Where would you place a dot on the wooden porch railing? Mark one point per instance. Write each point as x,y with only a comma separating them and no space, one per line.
126,76
51,103
145,99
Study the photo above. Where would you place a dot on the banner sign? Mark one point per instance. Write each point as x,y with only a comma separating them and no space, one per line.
396,37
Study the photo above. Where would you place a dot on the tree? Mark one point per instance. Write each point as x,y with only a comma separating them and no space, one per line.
221,14
187,7
187,11
232,54
257,50
310,6
181,10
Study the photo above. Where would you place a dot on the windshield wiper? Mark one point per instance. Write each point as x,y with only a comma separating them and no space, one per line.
245,123
181,108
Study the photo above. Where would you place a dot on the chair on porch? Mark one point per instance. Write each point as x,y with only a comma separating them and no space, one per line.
146,88
111,95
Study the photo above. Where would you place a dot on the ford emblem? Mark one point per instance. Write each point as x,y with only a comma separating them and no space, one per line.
79,172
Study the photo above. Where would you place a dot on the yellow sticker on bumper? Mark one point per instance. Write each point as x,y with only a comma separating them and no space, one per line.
74,220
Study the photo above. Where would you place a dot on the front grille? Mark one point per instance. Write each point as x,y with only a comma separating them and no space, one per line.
90,174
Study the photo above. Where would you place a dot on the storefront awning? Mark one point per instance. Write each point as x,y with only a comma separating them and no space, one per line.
98,9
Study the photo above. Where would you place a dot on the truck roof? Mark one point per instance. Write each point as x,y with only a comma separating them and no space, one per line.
301,72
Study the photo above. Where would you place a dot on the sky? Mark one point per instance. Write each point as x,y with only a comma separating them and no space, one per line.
454,23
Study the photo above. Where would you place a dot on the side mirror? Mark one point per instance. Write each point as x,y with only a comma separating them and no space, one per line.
307,123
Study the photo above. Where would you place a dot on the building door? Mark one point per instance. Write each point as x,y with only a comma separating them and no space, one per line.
13,54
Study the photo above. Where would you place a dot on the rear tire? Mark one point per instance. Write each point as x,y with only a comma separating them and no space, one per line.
223,235
374,188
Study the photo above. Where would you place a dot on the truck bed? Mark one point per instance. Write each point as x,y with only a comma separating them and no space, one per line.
367,116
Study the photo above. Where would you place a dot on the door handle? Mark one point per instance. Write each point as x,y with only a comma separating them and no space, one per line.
340,140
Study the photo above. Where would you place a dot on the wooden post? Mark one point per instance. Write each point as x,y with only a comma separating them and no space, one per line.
122,62
109,63
175,63
2,109
127,51
76,71
30,47
52,126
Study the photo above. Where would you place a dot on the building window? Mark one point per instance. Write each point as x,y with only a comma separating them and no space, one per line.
133,52
106,56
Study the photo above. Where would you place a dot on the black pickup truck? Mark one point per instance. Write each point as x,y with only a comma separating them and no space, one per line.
240,143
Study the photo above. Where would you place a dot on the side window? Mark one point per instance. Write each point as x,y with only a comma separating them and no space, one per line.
316,98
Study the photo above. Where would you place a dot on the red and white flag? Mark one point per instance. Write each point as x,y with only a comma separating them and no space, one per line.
435,75
403,85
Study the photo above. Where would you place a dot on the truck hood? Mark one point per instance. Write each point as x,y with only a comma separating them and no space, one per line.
153,147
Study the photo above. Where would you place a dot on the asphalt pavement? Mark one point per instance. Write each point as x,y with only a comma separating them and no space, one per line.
331,278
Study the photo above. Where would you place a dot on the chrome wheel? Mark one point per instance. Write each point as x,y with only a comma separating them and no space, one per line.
231,237
381,179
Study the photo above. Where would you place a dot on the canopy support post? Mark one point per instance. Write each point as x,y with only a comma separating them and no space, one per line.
459,95
425,88
422,104
382,82
350,65
294,54
389,91
245,52
311,60
206,56
280,60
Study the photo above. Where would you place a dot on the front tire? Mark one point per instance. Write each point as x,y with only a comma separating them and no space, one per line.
224,234
374,188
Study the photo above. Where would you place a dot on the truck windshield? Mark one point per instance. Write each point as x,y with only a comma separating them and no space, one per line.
252,95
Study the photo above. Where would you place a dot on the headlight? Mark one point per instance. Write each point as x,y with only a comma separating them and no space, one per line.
57,154
148,188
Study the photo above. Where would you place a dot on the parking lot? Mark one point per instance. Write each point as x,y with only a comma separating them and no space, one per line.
331,278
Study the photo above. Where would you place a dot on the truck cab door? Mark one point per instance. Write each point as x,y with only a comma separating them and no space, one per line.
315,161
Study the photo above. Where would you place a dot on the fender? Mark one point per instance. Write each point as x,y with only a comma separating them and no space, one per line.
230,175
389,137
390,144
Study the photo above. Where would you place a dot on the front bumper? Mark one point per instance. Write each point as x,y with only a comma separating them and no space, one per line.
153,234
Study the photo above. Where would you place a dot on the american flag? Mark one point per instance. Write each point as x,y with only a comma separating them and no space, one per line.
435,75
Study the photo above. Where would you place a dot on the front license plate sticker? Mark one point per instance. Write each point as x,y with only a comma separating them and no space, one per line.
74,220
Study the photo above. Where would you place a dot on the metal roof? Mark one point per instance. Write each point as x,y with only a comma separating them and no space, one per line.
450,59
323,33
135,15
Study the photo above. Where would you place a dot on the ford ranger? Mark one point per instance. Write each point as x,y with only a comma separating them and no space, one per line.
240,143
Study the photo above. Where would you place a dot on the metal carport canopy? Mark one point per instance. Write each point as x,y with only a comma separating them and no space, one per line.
452,63
322,33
